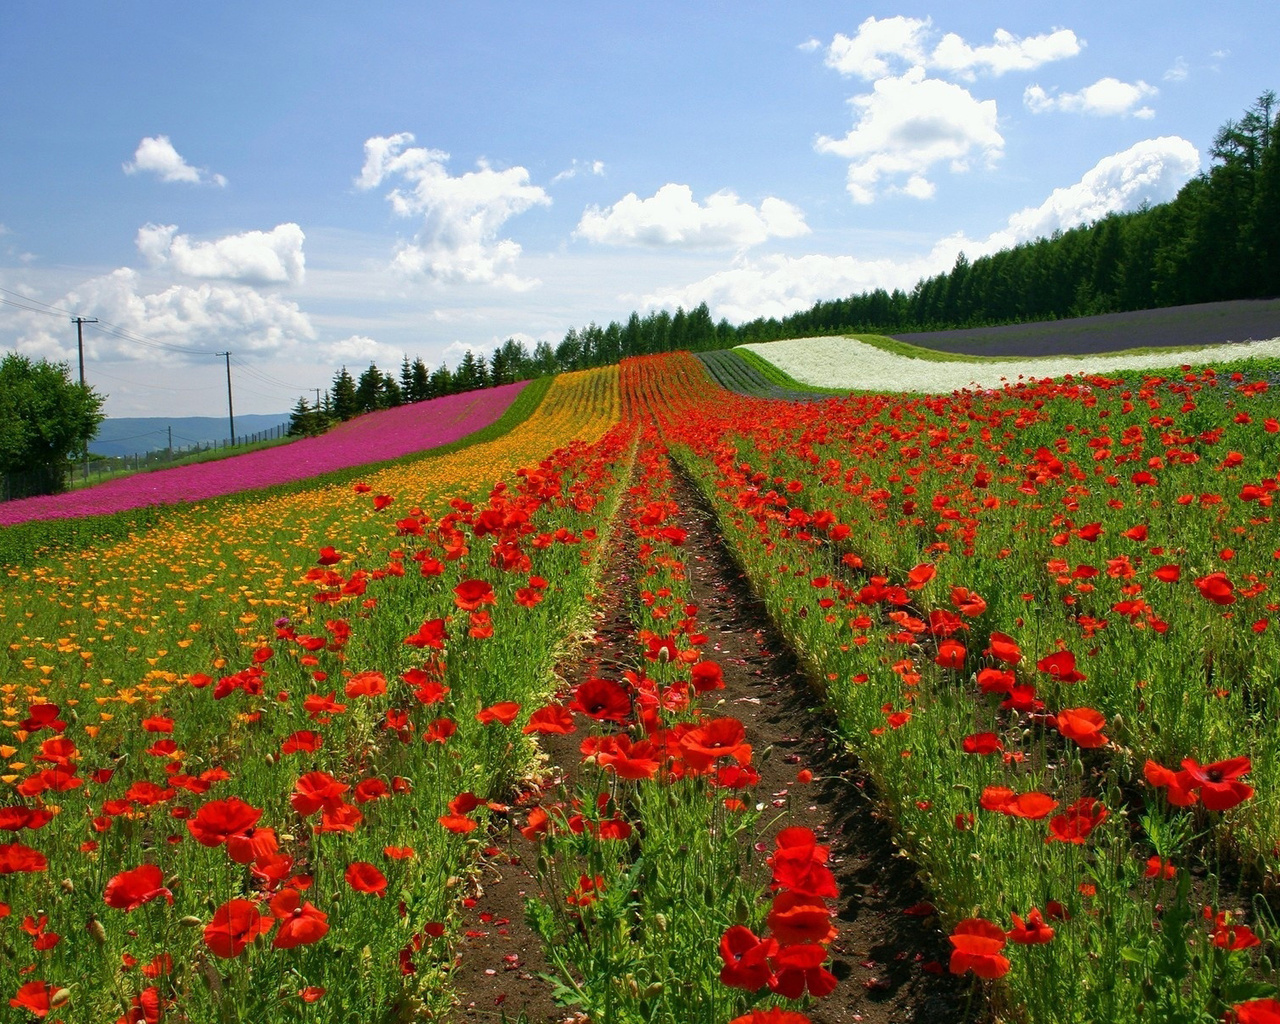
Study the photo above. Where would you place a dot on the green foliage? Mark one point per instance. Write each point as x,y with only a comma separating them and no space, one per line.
45,420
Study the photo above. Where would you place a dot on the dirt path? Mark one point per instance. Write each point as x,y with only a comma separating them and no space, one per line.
891,963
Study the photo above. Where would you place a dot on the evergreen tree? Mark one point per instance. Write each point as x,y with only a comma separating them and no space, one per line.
420,383
345,402
406,380
371,390
442,382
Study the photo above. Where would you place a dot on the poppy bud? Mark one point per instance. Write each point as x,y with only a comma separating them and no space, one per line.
741,912
660,922
96,931
632,987
67,885
651,991
60,998
190,921
270,759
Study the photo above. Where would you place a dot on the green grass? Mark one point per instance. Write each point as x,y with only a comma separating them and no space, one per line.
27,543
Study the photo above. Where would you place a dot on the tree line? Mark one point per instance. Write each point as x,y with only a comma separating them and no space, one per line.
1218,239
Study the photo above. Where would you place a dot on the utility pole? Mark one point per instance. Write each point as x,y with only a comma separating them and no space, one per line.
80,321
231,416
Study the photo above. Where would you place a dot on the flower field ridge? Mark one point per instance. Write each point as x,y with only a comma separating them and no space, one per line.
846,363
375,437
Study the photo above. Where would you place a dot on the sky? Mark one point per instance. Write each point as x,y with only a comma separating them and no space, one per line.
312,185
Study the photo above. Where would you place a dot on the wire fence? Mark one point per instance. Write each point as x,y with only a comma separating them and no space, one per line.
95,469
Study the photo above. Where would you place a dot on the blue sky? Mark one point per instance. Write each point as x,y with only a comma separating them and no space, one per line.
308,185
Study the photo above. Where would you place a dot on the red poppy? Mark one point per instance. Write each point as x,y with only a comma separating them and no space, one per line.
982,743
303,741
503,713
707,676
439,730
1004,648
1219,783
602,700
798,968
329,556
796,919
131,889
721,737
1168,573
951,654
369,683
219,819
1216,587
300,923
381,501
316,790
1180,787
977,944
1062,666
918,577
773,1015
1256,1011
459,824
1083,725
1031,932
745,958
430,634
1075,823
628,760
235,924
469,595
34,997
996,680
551,720
364,877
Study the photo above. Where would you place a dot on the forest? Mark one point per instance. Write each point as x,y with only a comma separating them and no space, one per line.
1218,239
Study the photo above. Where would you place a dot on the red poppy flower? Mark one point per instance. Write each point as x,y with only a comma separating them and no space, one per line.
131,889
628,760
1075,823
602,700
1168,573
430,634
459,824
976,947
982,743
303,741
1031,932
745,958
329,556
235,924
798,968
1216,587
1256,1011
439,730
503,713
1004,648
707,676
996,680
381,501
34,997
1062,666
216,821
315,790
918,577
796,919
773,1015
370,683
551,720
364,877
1219,783
951,654
1083,725
719,738
471,594
300,923
1180,787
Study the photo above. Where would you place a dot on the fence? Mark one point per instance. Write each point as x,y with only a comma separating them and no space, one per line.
94,470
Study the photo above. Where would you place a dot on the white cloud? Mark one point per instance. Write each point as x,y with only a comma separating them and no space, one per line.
1107,97
458,241
595,167
207,316
253,257
157,156
883,45
454,351
1178,72
1007,53
671,217
809,45
358,351
905,126
1151,171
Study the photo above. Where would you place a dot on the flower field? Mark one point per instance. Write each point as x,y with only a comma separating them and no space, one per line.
260,761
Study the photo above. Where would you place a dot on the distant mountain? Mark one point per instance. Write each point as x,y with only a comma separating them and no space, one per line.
129,435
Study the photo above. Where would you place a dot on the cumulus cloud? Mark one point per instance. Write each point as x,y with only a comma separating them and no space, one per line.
1107,97
461,215
1178,71
883,46
199,317
359,350
1151,171
671,217
156,155
906,126
253,257
595,167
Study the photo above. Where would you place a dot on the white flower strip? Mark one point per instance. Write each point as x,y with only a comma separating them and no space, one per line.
847,364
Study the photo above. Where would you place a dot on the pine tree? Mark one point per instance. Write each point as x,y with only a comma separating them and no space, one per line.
345,403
